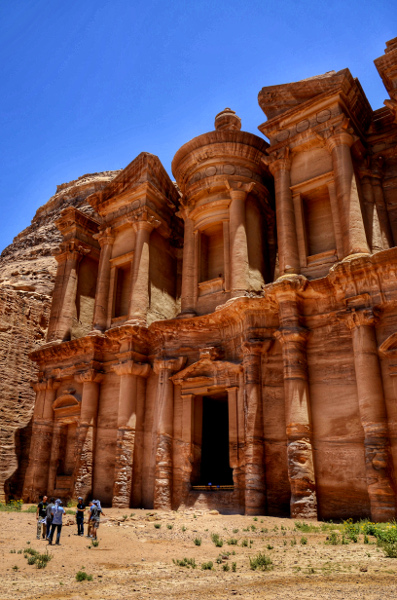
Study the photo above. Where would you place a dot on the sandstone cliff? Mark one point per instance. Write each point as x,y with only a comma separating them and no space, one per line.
27,274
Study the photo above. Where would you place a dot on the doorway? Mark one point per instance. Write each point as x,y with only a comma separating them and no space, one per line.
214,465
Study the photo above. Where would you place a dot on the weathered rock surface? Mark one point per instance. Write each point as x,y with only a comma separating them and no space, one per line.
27,275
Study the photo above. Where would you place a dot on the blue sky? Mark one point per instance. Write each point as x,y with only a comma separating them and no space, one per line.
89,84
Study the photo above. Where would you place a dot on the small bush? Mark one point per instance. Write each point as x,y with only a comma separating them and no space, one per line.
12,506
232,542
244,543
293,542
15,568
303,541
270,547
185,562
42,560
83,576
95,543
217,540
207,566
219,559
234,567
31,560
125,517
226,567
157,525
183,528
30,551
169,526
235,530
253,528
260,562
390,549
31,509
255,518
306,527
13,551
197,541
333,539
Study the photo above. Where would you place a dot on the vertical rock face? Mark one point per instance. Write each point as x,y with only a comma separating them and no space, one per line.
27,275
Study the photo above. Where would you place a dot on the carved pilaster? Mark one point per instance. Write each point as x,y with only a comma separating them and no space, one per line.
373,416
338,139
165,428
64,297
106,241
139,303
298,422
85,447
255,485
279,164
128,465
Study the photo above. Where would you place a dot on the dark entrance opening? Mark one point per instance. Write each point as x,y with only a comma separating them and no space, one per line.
215,467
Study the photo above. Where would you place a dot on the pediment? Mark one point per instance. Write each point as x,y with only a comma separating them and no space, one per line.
66,405
277,99
147,169
389,346
208,373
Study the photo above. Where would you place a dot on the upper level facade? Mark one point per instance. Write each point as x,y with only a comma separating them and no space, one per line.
242,213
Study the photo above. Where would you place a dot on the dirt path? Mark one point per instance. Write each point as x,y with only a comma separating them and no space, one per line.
134,559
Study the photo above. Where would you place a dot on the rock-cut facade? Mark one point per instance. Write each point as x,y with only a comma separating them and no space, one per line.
229,341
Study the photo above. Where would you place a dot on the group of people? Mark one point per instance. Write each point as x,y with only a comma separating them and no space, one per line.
49,518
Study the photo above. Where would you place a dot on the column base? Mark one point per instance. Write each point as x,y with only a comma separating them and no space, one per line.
356,255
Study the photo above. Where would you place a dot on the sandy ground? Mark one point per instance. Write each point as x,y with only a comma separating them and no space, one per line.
134,560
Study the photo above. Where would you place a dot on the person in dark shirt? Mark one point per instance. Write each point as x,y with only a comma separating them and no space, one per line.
49,516
80,516
41,513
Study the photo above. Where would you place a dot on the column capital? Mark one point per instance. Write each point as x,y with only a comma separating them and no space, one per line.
255,347
105,237
357,318
70,250
169,364
339,133
279,160
45,384
130,367
239,190
88,376
143,219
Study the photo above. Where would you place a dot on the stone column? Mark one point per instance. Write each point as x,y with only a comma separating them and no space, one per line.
255,485
63,304
298,423
106,240
130,373
139,303
288,253
226,254
239,263
376,181
189,267
165,430
373,416
36,478
86,433
351,219
371,213
54,456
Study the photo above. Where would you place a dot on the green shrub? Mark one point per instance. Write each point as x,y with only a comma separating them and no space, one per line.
226,567
12,506
185,562
260,562
157,525
293,542
13,551
31,560
244,543
306,527
219,559
15,568
235,530
390,549
169,526
207,566
95,543
303,541
83,576
234,567
232,542
253,528
31,509
217,540
197,541
333,539
125,517
270,547
30,551
42,560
